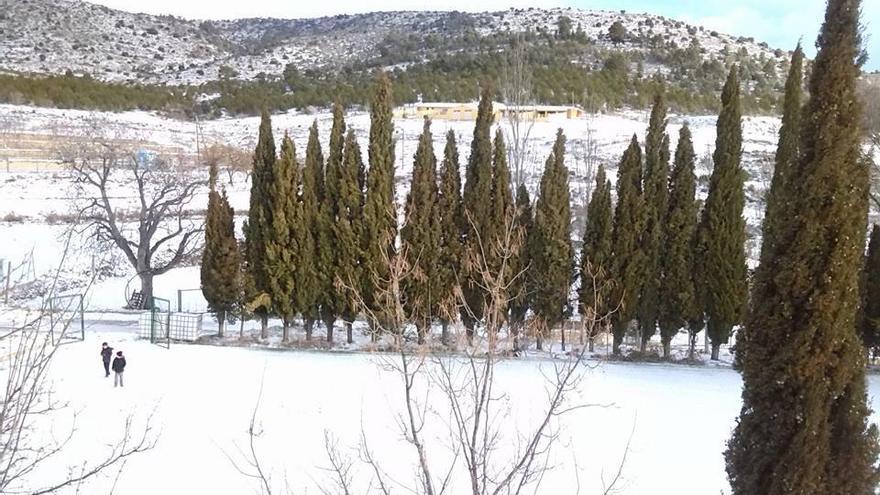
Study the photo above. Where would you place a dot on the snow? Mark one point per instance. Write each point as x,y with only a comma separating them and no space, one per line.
202,397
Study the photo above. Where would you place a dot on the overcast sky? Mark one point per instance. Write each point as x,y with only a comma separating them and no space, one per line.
778,22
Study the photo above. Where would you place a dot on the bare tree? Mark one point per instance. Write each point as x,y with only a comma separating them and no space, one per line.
153,227
516,89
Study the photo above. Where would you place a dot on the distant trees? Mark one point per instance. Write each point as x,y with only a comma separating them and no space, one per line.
617,32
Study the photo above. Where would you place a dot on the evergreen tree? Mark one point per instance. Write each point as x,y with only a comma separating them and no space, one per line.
330,299
420,236
380,214
311,277
220,258
723,228
260,216
869,319
787,155
281,246
678,305
520,294
804,426
594,293
347,231
477,206
552,251
655,198
626,234
499,238
451,228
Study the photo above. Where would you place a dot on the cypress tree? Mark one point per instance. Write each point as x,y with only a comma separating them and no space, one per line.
787,155
260,216
420,235
520,295
869,319
477,205
347,231
678,306
281,247
594,294
723,228
499,239
804,426
311,275
449,208
220,258
328,177
625,239
552,251
655,199
380,213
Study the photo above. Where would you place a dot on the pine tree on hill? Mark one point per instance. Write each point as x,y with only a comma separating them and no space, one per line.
519,292
259,216
723,228
220,258
311,281
449,208
803,427
347,231
420,236
678,304
477,204
552,251
380,213
282,256
655,197
628,257
787,155
869,319
595,294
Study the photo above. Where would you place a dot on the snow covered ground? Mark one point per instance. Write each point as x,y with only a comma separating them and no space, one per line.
679,418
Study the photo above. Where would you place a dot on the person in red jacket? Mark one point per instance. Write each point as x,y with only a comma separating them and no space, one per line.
118,368
106,354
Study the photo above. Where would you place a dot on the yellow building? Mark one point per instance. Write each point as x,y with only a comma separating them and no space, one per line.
468,111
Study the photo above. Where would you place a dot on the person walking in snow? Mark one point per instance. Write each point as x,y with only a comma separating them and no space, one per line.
106,354
118,368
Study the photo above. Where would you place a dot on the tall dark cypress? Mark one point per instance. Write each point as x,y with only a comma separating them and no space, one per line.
552,250
804,426
594,293
502,211
347,230
778,202
420,235
477,204
311,278
220,275
519,291
869,317
723,228
282,256
380,212
449,208
325,244
260,217
628,258
655,199
678,304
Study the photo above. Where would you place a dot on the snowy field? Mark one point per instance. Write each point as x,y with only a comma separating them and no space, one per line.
679,418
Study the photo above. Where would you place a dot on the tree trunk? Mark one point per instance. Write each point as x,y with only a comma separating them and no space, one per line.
241,328
264,326
539,342
147,289
420,330
615,345
643,345
221,323
692,345
444,332
562,333
329,325
716,348
348,336
666,348
591,342
515,329
309,324
285,331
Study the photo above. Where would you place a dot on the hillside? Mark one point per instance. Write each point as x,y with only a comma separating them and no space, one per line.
433,55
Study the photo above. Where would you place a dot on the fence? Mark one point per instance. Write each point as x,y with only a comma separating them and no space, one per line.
181,327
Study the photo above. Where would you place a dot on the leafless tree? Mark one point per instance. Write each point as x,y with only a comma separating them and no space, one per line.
152,227
30,403
516,89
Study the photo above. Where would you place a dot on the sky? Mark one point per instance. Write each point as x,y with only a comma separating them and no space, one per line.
781,23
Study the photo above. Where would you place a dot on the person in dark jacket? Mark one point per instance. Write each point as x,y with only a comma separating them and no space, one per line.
118,368
106,354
